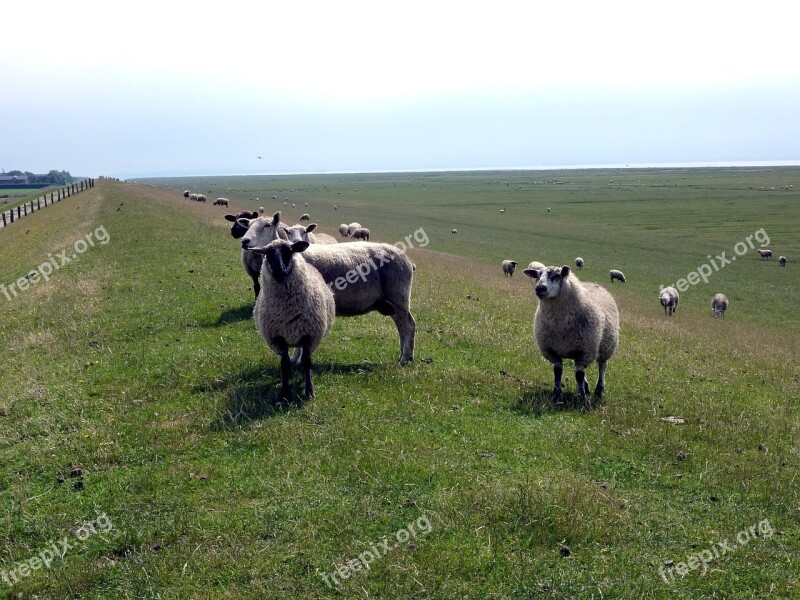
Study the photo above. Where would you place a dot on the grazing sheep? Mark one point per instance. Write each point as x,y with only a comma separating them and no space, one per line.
765,253
502,210
669,300
306,204
719,304
261,210
782,261
295,309
305,217
362,233
352,227
454,231
221,202
260,232
368,276
237,230
193,196
186,193
343,229
579,263
296,233
575,320
509,266
201,197
618,275
335,207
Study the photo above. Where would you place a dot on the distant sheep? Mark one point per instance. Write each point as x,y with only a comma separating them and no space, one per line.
201,197
221,202
305,217
719,304
186,193
343,229
782,261
509,266
668,298
617,275
193,197
454,231
295,309
260,210
335,207
502,210
362,233
574,320
296,233
579,263
352,227
765,253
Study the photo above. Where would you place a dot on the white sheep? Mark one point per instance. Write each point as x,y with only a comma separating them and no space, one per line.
201,197
669,298
221,202
362,233
454,231
509,266
306,233
782,261
352,227
193,197
617,275
261,210
579,263
343,229
305,217
295,309
765,253
719,304
575,320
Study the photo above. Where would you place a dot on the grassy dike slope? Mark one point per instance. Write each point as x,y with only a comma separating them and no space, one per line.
135,386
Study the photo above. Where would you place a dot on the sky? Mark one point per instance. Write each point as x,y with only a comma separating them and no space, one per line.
175,88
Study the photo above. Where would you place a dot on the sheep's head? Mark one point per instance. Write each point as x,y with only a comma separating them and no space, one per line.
295,233
260,231
549,281
237,230
278,257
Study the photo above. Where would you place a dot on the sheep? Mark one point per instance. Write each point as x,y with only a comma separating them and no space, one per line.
669,300
362,233
719,304
238,230
260,232
508,267
352,227
579,263
335,207
305,217
574,320
193,197
765,253
782,261
221,202
454,231
502,210
186,193
306,204
618,275
302,232
260,210
343,229
201,197
295,309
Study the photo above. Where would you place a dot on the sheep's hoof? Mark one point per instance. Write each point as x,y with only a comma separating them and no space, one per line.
556,395
405,361
598,393
286,394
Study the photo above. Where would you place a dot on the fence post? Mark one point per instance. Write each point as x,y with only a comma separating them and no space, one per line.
38,204
51,197
4,218
11,212
25,209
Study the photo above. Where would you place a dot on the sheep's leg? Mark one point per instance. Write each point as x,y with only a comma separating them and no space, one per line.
306,365
558,369
580,378
286,369
601,378
406,328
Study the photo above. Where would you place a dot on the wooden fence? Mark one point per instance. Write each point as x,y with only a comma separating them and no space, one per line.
9,216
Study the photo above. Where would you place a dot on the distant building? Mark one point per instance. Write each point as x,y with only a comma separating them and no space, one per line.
13,179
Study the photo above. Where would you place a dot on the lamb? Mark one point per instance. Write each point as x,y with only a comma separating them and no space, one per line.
509,266
306,233
574,320
343,229
260,232
765,253
719,304
618,275
782,261
669,300
352,227
221,202
305,217
362,233
579,263
296,308
237,230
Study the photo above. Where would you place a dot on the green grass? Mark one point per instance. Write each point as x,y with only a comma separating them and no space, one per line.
13,197
137,371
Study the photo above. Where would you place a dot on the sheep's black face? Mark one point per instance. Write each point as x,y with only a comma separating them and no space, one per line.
278,259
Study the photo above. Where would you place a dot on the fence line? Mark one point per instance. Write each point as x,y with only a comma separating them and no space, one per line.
7,217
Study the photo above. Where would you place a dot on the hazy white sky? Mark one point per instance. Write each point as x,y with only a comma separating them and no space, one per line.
176,88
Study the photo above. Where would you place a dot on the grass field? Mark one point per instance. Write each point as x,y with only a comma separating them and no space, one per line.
138,419
13,197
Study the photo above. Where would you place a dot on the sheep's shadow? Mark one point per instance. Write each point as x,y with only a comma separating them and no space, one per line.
253,394
539,402
233,315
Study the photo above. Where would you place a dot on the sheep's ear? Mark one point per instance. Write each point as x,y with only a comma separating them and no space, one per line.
243,223
532,273
230,218
513,262
276,218
300,246
564,271
311,228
